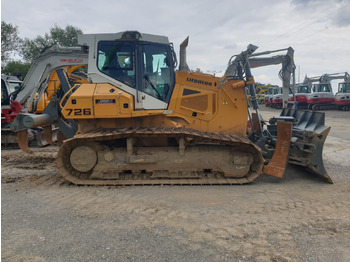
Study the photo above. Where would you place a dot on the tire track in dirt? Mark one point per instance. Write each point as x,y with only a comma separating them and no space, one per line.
253,229
260,222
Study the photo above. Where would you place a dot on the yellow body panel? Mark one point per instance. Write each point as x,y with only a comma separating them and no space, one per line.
199,101
215,108
110,102
80,103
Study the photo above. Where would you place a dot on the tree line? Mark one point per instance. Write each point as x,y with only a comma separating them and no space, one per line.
29,49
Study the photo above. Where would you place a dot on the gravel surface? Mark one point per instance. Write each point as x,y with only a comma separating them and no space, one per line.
296,218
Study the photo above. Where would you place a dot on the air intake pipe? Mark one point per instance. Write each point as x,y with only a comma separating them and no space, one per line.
183,64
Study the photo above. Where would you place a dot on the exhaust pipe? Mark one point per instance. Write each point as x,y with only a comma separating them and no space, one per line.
183,64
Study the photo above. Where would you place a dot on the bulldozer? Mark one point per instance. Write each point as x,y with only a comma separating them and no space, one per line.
139,121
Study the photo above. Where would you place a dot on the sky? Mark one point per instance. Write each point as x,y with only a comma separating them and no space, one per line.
317,30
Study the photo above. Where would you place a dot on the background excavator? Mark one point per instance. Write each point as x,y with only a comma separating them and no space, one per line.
140,121
276,100
299,96
322,96
342,97
268,97
21,97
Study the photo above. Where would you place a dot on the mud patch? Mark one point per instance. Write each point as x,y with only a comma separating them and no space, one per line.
28,161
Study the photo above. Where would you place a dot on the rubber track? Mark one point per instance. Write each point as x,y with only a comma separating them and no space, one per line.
75,177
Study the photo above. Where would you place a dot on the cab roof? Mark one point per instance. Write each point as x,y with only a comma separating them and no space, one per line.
89,39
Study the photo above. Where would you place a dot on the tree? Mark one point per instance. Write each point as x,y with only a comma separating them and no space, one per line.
16,68
65,37
68,36
31,49
9,41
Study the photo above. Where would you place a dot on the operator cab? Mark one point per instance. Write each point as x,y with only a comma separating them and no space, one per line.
142,65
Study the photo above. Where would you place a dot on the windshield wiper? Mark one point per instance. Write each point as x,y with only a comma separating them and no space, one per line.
154,88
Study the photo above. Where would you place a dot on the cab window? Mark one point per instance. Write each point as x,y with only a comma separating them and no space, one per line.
304,89
117,59
14,86
344,87
323,88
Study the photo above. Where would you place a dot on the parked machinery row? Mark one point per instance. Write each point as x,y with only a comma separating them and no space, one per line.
316,93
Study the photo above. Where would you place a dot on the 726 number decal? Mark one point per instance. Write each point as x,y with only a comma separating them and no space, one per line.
79,111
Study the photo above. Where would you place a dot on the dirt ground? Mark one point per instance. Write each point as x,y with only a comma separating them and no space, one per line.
297,218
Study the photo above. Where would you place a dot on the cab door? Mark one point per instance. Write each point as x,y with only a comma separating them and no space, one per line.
156,75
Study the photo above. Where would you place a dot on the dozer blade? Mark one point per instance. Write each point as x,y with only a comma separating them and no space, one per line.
308,136
307,151
277,165
22,140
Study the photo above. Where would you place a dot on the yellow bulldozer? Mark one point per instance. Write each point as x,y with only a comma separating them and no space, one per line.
139,121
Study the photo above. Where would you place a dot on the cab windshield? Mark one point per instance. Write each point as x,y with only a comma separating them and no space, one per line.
304,89
344,88
277,91
322,88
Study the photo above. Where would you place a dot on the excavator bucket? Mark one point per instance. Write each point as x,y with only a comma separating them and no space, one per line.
308,135
276,166
22,140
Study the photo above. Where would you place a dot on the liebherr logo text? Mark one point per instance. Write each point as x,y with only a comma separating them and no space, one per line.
201,82
72,60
